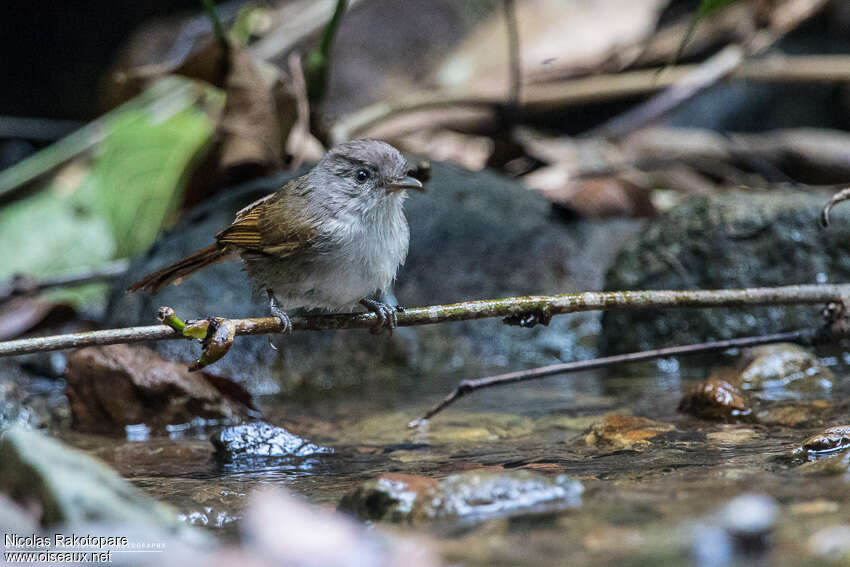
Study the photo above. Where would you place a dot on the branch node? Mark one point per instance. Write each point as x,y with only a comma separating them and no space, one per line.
217,342
530,319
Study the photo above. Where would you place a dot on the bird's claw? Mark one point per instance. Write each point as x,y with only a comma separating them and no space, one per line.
276,311
385,313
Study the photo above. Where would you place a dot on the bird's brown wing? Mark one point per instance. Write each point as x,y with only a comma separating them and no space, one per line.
275,225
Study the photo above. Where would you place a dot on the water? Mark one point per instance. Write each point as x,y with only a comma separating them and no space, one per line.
644,504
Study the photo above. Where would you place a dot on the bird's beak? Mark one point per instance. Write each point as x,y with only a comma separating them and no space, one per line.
406,182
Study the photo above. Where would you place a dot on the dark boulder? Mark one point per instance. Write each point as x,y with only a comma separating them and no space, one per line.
732,240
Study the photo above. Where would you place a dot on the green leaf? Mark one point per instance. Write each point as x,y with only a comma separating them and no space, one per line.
51,232
139,172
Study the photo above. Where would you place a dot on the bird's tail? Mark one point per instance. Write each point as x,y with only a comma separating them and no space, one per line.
201,259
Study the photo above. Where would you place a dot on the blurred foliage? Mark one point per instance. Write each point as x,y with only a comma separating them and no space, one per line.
706,8
112,202
138,174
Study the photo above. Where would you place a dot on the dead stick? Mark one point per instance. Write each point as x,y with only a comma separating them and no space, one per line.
466,387
512,307
709,73
26,285
543,97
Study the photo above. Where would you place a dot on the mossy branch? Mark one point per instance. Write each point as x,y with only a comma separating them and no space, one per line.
523,311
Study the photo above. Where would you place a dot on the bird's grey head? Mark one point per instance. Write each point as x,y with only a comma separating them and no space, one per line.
369,171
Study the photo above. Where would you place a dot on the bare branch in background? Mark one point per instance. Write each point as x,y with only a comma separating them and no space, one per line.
26,285
804,336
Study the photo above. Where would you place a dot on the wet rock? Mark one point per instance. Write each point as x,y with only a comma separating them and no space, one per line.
619,432
260,439
827,442
14,519
280,529
734,240
115,386
30,401
781,371
795,414
716,399
473,235
465,497
831,543
64,486
738,531
830,464
750,516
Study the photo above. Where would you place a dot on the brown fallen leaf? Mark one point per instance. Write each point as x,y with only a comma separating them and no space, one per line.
20,315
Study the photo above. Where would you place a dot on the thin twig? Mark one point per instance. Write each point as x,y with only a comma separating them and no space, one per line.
218,28
25,285
839,197
513,53
512,308
319,59
466,387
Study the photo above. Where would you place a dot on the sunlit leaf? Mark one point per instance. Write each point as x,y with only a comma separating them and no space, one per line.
138,173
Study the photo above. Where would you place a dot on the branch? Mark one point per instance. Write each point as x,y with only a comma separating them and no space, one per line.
319,60
467,387
26,285
835,328
709,73
513,53
524,311
545,97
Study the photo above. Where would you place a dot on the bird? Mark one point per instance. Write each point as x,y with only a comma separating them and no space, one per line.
330,239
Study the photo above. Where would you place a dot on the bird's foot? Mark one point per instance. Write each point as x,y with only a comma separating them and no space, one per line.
279,313
386,314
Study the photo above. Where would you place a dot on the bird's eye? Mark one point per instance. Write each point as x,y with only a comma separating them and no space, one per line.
362,175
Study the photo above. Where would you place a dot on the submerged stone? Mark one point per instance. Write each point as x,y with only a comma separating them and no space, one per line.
795,414
259,439
466,497
831,440
620,432
716,399
781,371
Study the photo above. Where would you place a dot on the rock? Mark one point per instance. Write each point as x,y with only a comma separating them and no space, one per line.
70,488
749,515
260,439
473,235
716,399
831,440
629,432
738,531
795,414
782,371
733,240
31,401
831,464
115,386
280,529
465,497
831,543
